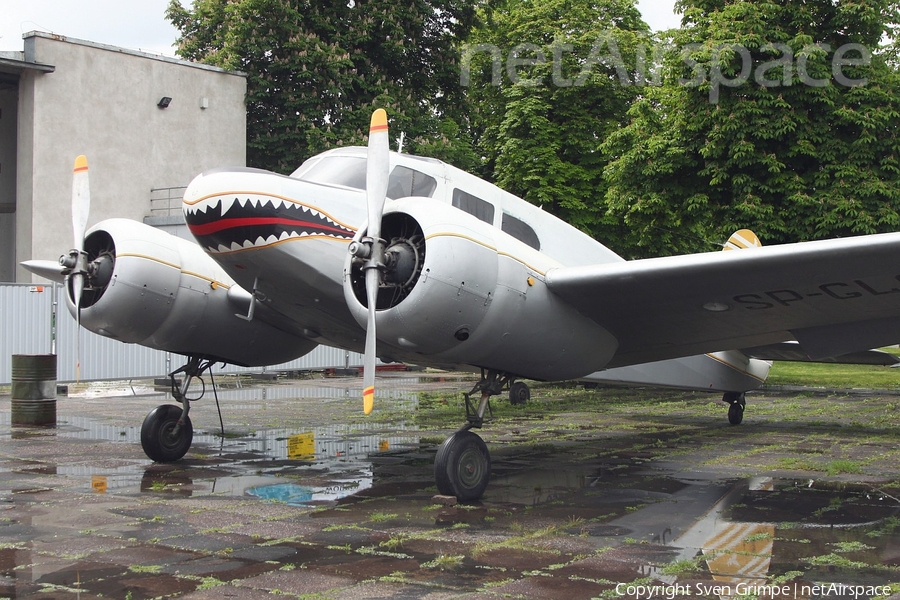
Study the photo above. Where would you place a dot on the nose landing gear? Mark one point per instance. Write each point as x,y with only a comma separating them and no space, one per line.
167,432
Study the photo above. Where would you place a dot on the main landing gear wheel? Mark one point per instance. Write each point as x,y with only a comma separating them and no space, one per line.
737,402
462,466
162,437
167,433
519,393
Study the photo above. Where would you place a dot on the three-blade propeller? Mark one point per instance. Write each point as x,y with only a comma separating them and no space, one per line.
377,172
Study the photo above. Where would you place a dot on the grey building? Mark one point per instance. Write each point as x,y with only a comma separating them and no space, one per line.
145,122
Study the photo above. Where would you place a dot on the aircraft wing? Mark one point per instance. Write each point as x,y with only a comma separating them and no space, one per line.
833,296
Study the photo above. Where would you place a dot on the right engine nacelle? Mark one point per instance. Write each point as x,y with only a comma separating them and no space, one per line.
154,289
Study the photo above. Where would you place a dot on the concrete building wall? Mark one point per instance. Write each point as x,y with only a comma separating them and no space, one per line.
101,101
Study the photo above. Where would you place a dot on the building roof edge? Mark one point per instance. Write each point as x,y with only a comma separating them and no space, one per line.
128,51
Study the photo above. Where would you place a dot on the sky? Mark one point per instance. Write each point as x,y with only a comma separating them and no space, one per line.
142,25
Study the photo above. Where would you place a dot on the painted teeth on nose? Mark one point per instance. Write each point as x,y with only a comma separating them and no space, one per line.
227,203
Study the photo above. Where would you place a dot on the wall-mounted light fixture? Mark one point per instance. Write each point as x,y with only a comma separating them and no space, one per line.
164,102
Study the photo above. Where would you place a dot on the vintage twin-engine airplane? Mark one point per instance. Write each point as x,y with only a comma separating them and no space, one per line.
455,272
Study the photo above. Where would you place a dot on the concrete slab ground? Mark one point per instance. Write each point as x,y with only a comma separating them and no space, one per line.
607,493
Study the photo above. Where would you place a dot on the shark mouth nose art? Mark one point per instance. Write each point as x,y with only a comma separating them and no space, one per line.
229,223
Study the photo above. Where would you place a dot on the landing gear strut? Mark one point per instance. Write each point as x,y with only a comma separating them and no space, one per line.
462,467
167,433
737,402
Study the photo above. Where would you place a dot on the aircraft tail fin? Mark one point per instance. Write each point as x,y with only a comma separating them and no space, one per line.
740,239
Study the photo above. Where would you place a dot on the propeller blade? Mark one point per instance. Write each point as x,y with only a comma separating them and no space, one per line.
81,208
377,170
377,173
372,277
81,201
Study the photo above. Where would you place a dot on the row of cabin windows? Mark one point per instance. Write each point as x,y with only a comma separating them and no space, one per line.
483,210
404,182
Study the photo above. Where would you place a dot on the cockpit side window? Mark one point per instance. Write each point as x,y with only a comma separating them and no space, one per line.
350,171
520,230
475,206
409,182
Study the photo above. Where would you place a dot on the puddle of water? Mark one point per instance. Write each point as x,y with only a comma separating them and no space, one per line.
296,467
604,519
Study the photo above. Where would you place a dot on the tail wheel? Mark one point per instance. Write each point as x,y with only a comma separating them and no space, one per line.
462,467
737,402
519,393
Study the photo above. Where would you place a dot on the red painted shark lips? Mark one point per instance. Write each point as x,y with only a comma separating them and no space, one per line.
232,223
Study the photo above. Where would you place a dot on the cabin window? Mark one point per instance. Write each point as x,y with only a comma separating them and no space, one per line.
520,230
475,206
409,182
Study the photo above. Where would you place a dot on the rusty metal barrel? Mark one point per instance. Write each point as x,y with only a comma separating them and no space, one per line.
33,393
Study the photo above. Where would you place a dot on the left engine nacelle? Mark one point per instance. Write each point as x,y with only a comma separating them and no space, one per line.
458,291
426,305
154,289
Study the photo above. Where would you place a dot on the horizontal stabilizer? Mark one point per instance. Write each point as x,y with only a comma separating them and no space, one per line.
792,351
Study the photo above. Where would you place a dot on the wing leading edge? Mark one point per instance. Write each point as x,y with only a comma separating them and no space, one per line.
833,296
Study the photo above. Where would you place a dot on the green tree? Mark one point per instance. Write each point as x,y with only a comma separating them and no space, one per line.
316,69
548,80
779,116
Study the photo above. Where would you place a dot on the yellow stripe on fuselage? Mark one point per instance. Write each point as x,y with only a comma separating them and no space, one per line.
736,368
486,245
212,281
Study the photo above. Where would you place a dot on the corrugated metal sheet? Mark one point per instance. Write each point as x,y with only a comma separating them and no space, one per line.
25,328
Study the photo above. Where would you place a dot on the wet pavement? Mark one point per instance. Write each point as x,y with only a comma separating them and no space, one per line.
603,494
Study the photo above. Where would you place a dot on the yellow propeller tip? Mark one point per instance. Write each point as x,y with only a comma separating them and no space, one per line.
81,164
368,399
379,121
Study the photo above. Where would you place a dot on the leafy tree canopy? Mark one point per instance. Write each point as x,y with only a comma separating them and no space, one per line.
548,80
317,68
779,116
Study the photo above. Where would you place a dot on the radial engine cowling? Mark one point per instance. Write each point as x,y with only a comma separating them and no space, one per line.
429,301
147,287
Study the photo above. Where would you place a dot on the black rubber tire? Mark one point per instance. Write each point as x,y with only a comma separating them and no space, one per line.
519,393
156,434
736,410
462,467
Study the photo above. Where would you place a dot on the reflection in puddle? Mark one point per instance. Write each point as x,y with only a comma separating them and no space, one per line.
724,539
763,530
290,466
320,464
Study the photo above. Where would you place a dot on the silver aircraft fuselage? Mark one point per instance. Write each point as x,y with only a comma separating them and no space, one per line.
286,239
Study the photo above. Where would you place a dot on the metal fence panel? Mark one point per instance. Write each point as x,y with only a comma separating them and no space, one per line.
25,328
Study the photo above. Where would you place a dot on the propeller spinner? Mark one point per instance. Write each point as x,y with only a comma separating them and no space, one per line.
371,247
